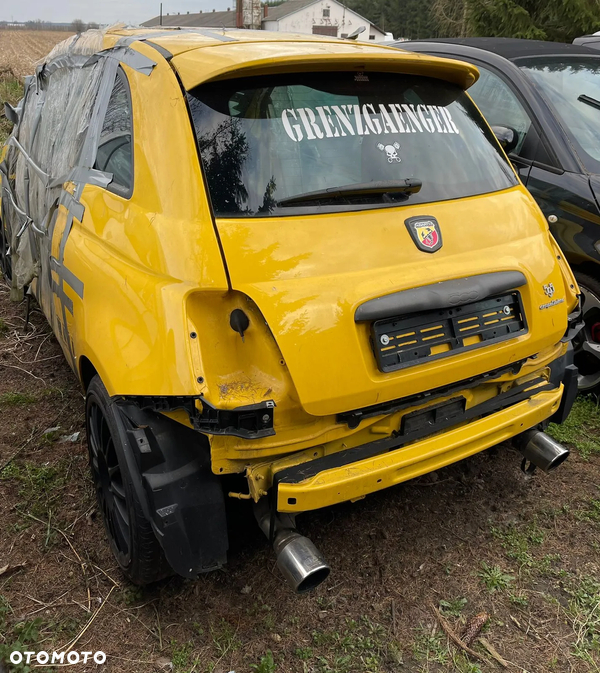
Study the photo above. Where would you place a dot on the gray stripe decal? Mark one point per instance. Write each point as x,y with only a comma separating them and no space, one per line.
73,206
80,174
132,58
165,53
67,303
68,276
215,35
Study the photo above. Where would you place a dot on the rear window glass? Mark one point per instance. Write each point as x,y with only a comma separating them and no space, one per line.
266,143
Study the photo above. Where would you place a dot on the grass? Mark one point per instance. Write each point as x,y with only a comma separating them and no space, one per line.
581,430
518,542
362,645
40,489
583,609
11,90
15,399
592,513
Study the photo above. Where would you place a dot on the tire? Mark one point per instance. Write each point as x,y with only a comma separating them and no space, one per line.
129,532
587,343
5,260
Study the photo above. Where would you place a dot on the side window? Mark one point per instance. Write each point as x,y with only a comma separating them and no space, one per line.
499,105
115,147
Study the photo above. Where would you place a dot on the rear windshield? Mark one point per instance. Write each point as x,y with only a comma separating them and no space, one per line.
274,146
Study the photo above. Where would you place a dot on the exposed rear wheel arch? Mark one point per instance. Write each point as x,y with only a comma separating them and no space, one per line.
130,534
87,371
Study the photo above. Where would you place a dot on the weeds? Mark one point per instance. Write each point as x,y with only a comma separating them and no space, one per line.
494,578
303,653
180,656
463,665
362,645
454,607
430,647
224,638
266,664
21,638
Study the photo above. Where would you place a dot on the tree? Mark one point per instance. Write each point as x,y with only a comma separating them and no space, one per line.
412,19
557,20
78,26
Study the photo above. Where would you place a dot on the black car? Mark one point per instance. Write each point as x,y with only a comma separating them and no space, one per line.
543,101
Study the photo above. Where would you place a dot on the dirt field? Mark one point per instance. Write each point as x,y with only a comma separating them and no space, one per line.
20,49
477,537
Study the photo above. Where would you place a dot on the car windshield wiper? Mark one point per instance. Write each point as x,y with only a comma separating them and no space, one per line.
594,102
407,186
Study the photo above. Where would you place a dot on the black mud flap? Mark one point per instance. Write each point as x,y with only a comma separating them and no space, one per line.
564,371
179,494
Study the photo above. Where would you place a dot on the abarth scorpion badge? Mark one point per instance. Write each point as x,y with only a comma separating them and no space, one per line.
425,232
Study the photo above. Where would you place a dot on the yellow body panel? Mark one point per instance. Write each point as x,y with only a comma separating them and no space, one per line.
368,476
161,278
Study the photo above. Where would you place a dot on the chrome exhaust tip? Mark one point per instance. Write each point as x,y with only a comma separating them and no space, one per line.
540,450
298,559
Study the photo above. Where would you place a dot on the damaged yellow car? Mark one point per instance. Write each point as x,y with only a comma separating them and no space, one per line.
302,261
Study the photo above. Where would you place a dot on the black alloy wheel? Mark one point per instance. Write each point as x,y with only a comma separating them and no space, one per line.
587,343
130,534
5,260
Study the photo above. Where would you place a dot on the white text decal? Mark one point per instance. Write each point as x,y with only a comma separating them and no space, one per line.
343,120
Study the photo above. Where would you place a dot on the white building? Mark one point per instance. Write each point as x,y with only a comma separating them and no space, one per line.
320,17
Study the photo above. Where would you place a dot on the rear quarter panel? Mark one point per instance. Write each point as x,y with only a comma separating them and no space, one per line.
138,258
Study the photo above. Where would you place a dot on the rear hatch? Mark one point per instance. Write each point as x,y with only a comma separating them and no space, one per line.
331,189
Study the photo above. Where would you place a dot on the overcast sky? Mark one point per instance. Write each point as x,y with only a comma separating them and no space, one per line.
102,11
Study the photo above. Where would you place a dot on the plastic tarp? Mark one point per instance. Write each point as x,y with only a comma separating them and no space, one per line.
45,147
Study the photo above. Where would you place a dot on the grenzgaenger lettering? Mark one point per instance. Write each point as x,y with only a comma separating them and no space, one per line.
339,121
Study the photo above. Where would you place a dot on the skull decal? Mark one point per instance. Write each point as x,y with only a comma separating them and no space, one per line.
391,151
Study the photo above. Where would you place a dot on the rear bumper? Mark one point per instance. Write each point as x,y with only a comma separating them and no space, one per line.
359,478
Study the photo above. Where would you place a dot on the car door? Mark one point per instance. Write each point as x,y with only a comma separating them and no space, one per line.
501,106
563,195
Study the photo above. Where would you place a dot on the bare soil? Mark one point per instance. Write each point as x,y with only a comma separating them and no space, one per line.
479,536
21,49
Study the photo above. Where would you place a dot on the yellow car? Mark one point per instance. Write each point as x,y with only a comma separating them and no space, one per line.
285,269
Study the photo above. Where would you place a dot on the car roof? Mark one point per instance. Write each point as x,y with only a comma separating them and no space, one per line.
203,54
511,48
